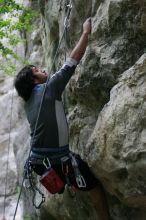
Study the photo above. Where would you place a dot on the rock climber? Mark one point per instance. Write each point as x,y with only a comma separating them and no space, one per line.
51,135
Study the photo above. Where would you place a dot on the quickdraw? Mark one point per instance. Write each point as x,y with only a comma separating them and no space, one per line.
67,18
29,183
79,178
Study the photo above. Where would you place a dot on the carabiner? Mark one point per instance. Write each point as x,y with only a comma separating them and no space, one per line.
66,20
80,181
48,164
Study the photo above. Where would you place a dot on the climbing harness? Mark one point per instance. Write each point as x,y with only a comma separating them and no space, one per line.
66,22
51,179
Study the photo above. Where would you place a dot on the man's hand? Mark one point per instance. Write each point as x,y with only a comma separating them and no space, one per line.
87,27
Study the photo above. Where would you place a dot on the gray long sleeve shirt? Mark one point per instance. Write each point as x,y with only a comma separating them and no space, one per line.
52,127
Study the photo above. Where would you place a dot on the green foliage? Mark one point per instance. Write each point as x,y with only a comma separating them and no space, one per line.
14,18
18,190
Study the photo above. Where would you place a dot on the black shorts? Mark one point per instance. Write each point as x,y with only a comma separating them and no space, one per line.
90,180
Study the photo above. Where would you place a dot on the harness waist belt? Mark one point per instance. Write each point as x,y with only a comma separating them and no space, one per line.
51,153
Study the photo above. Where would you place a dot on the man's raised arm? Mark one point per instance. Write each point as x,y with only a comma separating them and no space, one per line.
80,48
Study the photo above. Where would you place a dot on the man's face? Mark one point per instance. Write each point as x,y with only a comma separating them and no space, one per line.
41,75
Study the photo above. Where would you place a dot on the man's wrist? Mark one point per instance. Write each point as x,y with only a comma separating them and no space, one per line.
85,33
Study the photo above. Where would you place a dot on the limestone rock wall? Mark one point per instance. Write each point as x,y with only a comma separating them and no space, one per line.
104,101
9,177
120,133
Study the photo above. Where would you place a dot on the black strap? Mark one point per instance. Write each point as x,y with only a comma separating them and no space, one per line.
51,149
55,153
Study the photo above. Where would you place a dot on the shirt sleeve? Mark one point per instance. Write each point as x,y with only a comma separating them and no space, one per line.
60,79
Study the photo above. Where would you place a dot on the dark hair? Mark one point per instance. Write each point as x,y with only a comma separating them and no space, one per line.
24,82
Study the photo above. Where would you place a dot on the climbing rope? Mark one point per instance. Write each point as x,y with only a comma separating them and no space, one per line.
66,23
66,26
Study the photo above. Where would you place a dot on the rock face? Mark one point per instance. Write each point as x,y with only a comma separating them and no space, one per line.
119,137
8,178
105,102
